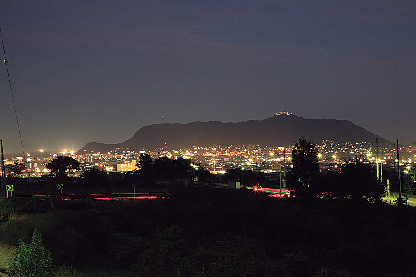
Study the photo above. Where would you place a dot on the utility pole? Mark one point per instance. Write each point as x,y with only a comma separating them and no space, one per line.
3,169
378,169
399,200
280,178
257,174
241,177
284,156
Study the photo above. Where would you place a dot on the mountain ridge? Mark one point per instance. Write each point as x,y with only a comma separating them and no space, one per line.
278,130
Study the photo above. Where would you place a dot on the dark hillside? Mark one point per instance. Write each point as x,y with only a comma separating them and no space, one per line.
215,232
274,131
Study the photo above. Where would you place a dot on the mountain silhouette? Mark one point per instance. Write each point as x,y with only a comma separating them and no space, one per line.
278,130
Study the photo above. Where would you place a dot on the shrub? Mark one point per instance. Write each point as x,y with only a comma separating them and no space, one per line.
31,260
7,208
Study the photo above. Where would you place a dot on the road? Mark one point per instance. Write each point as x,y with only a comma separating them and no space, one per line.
411,201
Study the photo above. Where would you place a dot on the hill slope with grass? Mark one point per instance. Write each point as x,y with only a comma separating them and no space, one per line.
212,232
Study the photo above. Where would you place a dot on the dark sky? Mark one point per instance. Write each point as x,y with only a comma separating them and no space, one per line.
99,70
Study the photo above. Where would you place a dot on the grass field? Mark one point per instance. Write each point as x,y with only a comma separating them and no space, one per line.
5,253
211,232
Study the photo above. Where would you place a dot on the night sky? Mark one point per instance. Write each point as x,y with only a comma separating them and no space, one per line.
99,70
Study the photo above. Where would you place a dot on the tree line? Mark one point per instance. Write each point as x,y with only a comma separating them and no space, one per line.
356,180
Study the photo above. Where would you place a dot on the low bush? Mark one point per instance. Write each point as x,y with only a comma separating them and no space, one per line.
31,260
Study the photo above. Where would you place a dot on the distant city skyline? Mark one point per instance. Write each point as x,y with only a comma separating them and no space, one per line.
86,71
218,159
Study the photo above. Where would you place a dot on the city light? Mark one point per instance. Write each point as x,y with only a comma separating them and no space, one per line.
219,159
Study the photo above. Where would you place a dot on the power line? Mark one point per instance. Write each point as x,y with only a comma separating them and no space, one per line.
6,62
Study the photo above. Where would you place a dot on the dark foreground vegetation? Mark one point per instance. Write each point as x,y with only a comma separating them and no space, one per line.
218,232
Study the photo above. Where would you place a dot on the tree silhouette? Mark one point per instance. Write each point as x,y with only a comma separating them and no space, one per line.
305,167
359,182
62,166
15,169
164,168
145,166
182,167
94,176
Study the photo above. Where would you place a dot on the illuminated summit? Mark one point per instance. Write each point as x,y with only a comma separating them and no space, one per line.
283,111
